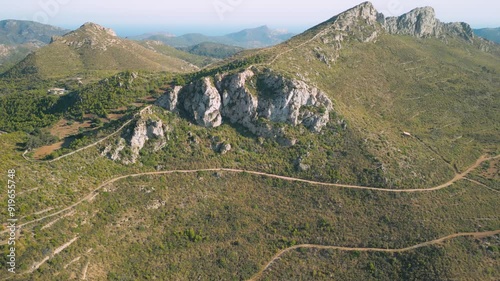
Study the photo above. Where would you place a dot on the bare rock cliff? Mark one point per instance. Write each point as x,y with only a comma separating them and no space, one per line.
129,145
203,102
422,22
254,99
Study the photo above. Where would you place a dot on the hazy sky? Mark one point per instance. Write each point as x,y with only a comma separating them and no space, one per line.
223,16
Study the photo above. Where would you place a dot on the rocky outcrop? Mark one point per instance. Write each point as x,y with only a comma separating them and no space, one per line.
95,28
293,102
130,144
90,34
351,18
239,105
170,99
422,22
225,148
202,102
365,24
144,131
256,100
362,23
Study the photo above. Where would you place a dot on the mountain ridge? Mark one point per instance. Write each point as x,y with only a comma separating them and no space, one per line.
258,37
492,34
19,38
19,32
95,48
347,135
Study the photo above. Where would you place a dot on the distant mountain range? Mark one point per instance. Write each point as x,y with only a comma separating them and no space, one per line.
19,38
368,132
249,38
15,32
213,50
492,34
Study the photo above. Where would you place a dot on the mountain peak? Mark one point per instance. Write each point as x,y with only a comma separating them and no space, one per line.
350,18
422,22
89,35
93,27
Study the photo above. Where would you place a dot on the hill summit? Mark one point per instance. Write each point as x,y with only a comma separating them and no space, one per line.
422,22
419,22
89,35
95,48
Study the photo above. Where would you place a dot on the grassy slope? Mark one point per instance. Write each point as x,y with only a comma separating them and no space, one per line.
197,60
239,221
116,58
59,60
444,95
460,259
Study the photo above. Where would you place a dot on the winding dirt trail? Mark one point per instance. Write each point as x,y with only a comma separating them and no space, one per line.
477,235
88,197
90,145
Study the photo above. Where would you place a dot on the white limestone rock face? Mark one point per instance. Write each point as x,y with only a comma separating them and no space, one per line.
170,99
422,23
155,129
139,137
239,105
145,130
294,102
350,18
255,100
203,102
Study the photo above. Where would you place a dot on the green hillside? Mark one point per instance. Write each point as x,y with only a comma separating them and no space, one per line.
94,49
17,32
19,38
199,60
214,50
401,182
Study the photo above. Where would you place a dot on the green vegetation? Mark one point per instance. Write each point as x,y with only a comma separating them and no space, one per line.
213,50
180,220
39,138
460,259
90,48
114,92
26,111
25,104
227,226
197,59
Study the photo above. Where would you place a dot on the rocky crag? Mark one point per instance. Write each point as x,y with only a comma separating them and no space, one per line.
255,99
364,23
147,130
422,22
89,34
262,100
